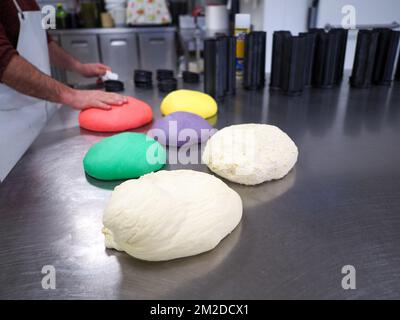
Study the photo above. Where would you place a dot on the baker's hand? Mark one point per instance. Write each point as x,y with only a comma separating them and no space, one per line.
83,99
92,70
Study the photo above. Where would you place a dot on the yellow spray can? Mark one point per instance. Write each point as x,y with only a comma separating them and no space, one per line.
242,27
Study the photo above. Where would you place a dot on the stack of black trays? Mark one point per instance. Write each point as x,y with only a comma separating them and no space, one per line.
278,44
254,60
330,52
219,66
364,60
143,79
166,80
388,42
190,77
310,41
290,68
375,57
294,57
314,58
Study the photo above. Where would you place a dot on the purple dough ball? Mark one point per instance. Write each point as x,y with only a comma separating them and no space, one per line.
180,128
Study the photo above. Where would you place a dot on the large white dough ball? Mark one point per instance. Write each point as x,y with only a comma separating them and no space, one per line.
250,153
170,214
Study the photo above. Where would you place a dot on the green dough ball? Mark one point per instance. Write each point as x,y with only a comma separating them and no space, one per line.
124,156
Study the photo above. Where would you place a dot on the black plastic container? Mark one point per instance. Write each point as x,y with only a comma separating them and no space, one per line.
330,50
309,57
230,87
254,60
277,55
319,56
213,69
364,59
375,57
190,77
143,79
388,42
163,74
292,62
227,45
167,85
293,65
113,86
143,75
219,67
342,35
323,66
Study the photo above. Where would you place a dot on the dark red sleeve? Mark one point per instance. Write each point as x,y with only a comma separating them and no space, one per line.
34,5
49,38
7,51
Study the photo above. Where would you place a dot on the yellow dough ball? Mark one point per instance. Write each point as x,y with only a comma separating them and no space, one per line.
190,101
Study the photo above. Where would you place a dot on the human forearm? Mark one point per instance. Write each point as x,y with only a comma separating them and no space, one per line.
27,79
61,59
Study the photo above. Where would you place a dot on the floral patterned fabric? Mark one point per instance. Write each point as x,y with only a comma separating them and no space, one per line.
147,12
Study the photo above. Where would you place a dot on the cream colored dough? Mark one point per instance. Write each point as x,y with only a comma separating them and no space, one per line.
250,153
170,214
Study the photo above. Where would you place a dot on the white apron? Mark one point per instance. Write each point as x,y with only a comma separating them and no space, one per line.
22,117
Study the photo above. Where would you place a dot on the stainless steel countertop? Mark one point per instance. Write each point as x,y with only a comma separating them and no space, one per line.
339,206
141,29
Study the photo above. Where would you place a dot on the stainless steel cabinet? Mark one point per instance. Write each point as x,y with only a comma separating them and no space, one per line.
123,49
58,73
157,50
83,47
120,52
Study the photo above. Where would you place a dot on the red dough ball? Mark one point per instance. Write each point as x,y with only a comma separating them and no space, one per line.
133,114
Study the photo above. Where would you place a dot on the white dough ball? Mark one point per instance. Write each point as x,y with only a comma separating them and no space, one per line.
170,214
250,153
